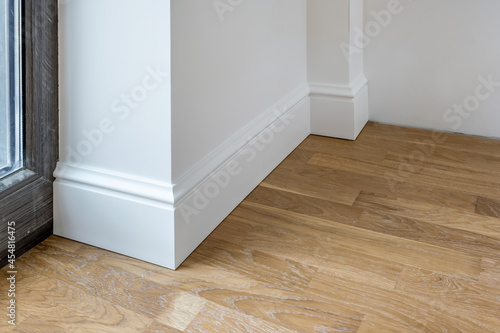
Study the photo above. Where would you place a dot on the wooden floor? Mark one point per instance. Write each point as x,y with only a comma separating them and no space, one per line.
396,232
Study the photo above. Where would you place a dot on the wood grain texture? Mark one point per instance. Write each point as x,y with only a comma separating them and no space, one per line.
454,141
460,297
434,213
327,243
31,208
40,43
27,200
393,306
370,325
488,207
292,181
338,235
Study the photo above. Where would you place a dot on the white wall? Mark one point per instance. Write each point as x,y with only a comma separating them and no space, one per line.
428,58
230,69
328,26
103,70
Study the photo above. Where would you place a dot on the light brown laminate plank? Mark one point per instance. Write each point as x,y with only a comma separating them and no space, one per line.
370,325
488,207
37,325
392,306
483,225
463,241
365,241
404,188
157,327
342,236
459,142
317,207
273,237
345,148
396,172
490,276
215,318
57,303
297,183
460,297
116,284
276,290
446,159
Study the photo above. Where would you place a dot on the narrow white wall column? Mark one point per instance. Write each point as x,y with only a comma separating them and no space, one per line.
113,182
339,93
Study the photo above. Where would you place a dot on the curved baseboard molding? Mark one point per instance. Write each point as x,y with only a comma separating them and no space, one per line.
146,189
339,91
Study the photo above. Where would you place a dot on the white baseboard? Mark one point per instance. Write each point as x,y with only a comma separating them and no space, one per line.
163,223
339,111
115,221
193,177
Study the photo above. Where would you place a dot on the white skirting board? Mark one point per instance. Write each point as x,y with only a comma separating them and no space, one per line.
123,223
163,223
339,111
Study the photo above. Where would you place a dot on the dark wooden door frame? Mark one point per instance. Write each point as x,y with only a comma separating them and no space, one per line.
26,196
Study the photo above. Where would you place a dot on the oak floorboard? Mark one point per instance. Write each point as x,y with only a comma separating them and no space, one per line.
253,278
490,275
463,241
37,325
395,172
301,310
488,207
398,231
157,327
294,183
23,280
459,142
460,297
257,265
65,244
370,325
425,151
279,295
293,202
335,162
57,303
403,188
365,241
444,216
396,307
215,318
86,272
345,148
473,177
430,177
444,158
335,260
